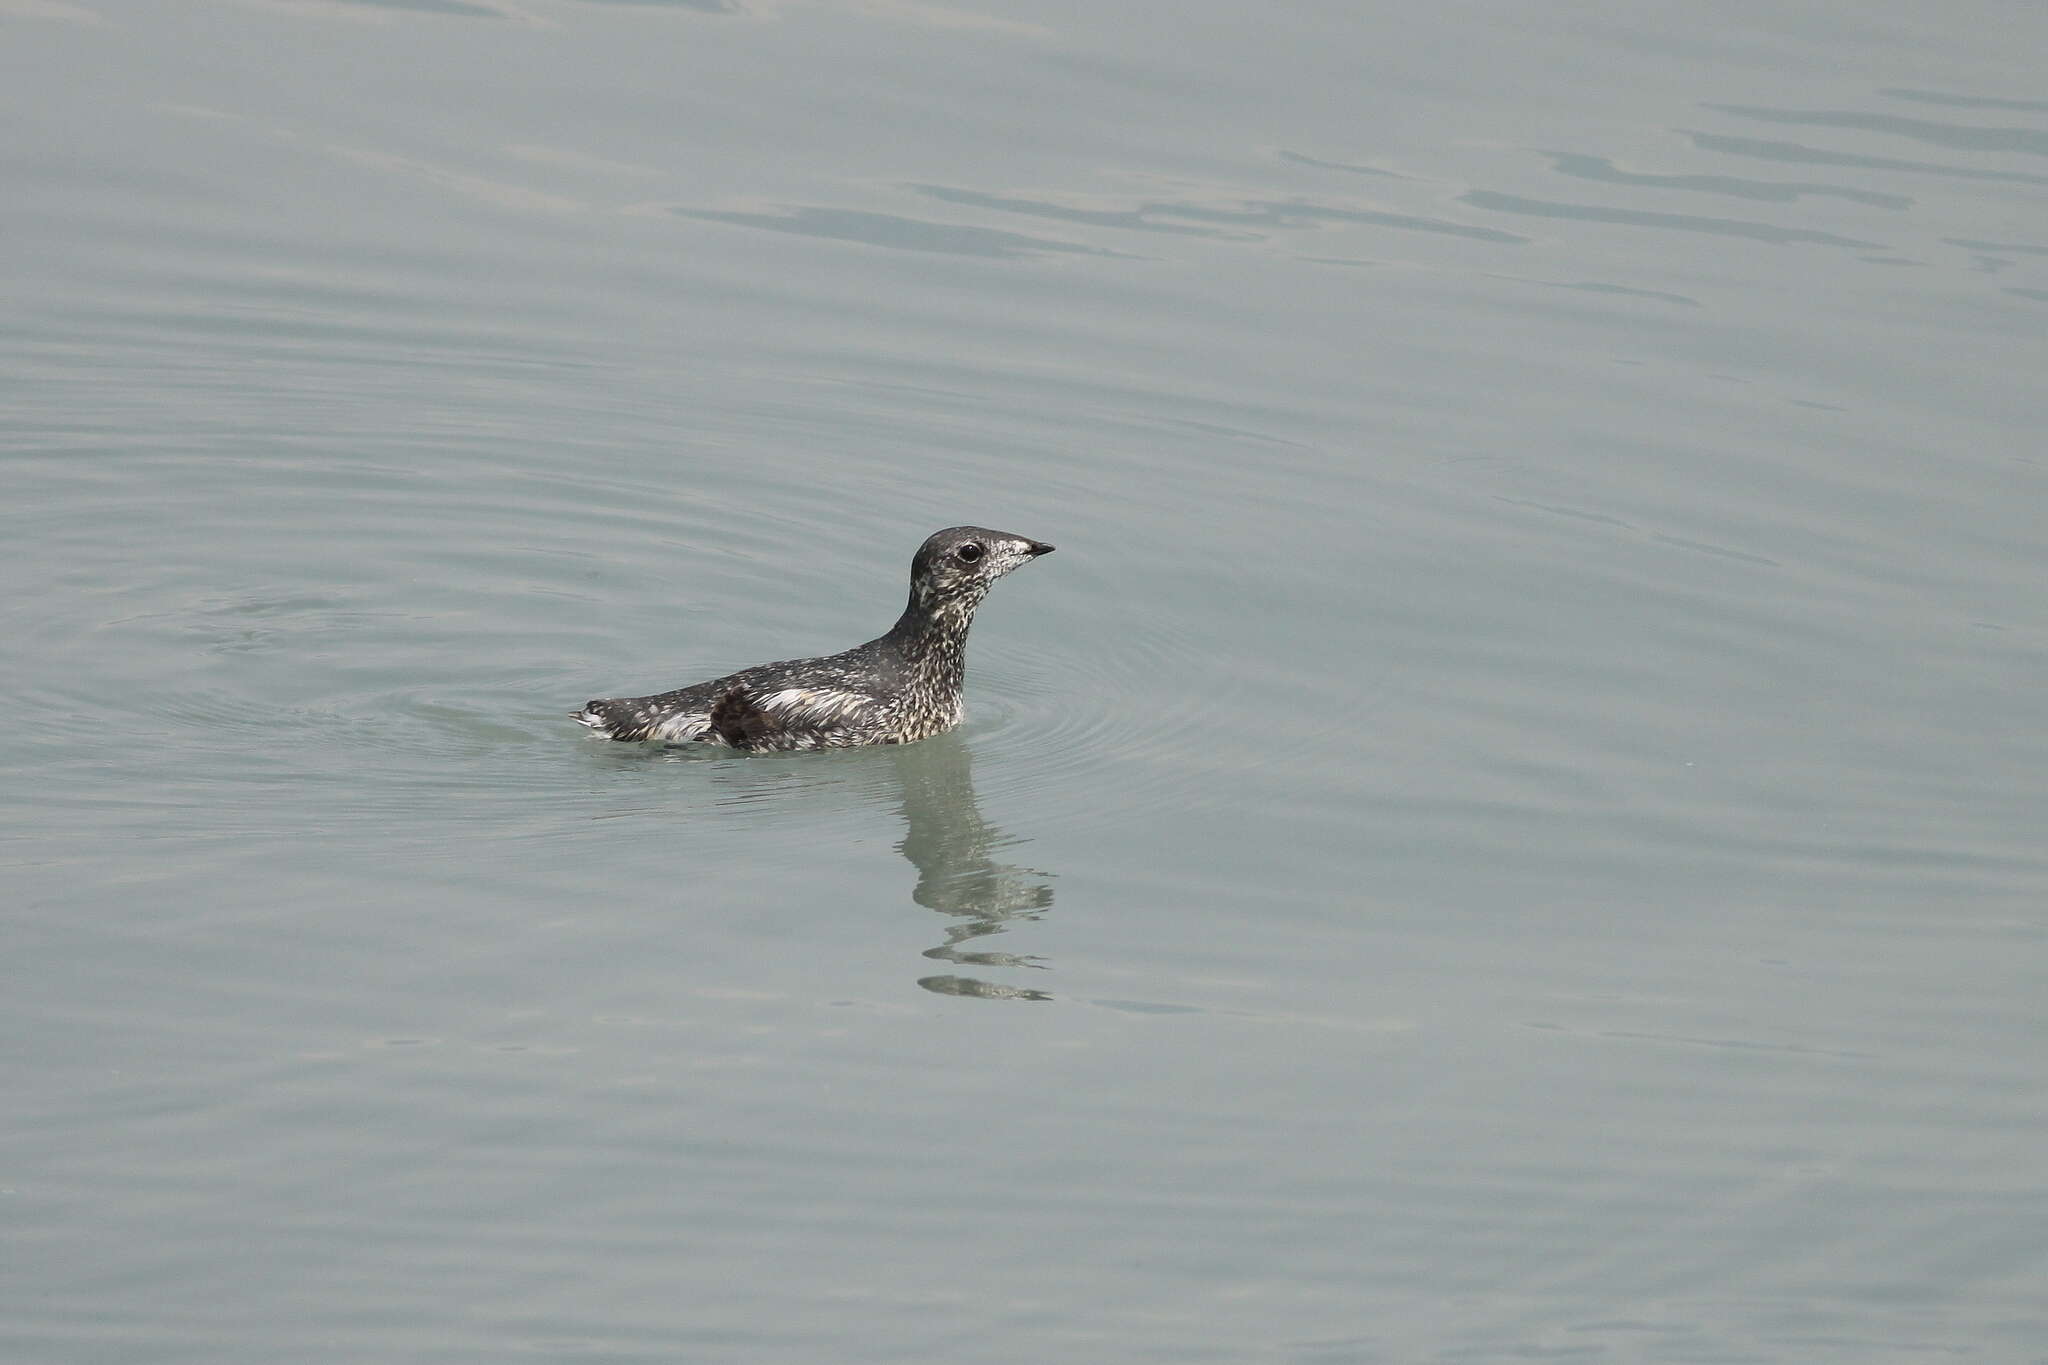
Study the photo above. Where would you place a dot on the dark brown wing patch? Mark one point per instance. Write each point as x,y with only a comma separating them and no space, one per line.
740,723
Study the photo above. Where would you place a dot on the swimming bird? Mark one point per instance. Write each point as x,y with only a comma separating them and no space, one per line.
895,689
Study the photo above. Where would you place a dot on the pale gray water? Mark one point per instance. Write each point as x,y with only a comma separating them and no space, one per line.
1512,826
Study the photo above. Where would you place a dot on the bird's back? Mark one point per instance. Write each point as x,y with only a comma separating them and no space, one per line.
826,702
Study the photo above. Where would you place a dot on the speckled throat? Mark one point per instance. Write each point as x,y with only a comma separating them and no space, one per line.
931,637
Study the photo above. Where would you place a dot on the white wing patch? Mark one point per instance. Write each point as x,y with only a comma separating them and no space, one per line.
680,728
814,705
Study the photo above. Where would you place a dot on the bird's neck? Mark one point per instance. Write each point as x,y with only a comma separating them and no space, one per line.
932,637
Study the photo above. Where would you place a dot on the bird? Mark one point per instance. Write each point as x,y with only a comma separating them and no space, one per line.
897,688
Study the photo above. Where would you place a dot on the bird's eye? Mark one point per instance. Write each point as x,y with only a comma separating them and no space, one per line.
969,553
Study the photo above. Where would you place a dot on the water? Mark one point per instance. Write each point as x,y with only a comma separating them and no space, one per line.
1510,827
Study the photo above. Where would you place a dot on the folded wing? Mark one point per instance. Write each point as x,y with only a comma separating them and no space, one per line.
788,718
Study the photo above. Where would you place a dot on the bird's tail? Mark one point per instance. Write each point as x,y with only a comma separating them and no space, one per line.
640,718
593,715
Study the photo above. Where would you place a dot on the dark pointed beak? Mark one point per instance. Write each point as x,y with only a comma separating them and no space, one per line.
1038,547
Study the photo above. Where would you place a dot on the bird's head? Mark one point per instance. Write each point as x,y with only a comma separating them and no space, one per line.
955,568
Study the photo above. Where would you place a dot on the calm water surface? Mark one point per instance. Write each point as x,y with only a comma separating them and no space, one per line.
1512,827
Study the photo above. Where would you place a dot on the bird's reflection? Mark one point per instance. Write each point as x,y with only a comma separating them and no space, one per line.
950,845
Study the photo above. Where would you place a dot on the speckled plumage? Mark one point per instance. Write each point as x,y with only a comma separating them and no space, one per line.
895,689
